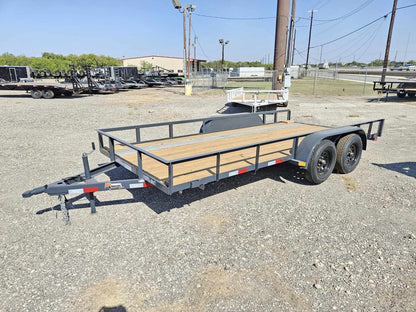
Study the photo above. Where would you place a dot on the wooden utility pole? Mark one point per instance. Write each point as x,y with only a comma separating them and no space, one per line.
184,43
386,55
189,45
280,44
195,62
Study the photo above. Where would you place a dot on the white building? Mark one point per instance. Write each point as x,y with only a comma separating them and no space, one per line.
250,71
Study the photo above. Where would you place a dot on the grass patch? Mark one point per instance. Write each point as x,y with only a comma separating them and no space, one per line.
353,115
304,86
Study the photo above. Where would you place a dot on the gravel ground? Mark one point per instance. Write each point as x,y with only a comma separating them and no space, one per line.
264,242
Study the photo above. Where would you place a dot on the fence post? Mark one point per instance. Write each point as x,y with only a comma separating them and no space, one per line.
365,80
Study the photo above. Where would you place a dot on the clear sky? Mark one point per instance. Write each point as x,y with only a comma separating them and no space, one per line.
129,28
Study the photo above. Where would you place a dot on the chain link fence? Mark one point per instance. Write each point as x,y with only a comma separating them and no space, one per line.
202,82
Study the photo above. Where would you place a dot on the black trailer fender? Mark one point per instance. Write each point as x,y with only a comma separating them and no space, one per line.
309,143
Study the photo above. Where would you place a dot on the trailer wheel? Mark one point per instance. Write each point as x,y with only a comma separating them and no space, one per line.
349,149
401,94
411,94
48,94
322,162
36,94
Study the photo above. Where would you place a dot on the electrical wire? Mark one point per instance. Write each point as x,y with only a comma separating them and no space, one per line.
360,28
236,18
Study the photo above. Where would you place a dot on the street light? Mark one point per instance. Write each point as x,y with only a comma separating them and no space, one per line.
190,8
223,43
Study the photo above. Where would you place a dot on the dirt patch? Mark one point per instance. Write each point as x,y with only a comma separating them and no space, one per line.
105,293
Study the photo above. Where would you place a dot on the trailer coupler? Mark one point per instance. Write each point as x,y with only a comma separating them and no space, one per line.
85,184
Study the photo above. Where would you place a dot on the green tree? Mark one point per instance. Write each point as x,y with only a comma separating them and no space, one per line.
146,65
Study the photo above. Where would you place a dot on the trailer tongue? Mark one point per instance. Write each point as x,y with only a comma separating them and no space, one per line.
221,147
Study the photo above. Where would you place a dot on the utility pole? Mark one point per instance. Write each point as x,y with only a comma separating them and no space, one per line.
280,44
291,34
195,62
184,44
293,49
386,55
309,41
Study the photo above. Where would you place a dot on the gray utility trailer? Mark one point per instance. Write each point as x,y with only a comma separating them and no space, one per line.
216,148
401,87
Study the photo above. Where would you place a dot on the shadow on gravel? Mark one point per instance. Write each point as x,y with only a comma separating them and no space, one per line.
407,168
395,99
119,308
27,95
235,108
160,202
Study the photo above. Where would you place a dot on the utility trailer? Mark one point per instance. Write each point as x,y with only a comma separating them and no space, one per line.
216,148
402,88
258,98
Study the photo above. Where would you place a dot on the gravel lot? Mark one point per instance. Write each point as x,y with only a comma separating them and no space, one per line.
264,242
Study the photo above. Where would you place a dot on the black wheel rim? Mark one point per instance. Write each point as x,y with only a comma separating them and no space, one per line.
351,156
324,163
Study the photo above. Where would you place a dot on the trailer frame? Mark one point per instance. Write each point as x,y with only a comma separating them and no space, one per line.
400,87
302,147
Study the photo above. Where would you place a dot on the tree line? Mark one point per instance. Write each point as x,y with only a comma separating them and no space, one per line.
54,62
216,65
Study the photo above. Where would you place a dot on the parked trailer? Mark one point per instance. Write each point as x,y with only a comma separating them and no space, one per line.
258,98
402,88
38,89
223,147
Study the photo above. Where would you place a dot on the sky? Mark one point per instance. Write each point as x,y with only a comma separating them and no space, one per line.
130,28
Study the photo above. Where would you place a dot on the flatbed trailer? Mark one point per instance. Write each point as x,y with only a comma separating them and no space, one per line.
37,90
221,147
402,88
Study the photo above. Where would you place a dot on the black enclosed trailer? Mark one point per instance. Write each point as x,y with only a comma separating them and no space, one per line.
15,73
220,148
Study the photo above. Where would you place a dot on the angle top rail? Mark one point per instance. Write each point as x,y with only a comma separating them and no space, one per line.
138,149
168,123
113,138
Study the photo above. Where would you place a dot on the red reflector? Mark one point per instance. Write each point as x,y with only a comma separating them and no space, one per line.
242,171
147,184
375,139
90,189
279,161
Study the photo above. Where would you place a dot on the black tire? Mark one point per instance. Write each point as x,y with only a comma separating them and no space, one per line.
401,94
48,94
322,162
411,94
349,150
36,94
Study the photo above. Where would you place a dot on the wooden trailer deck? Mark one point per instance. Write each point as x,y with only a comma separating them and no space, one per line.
177,148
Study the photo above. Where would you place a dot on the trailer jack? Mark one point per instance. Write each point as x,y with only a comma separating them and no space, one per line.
64,210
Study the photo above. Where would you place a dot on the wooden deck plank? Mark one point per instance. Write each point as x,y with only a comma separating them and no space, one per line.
205,167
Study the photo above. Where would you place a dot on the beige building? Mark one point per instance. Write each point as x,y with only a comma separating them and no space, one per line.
166,62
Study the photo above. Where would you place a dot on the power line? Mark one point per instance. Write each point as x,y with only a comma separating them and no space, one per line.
199,43
237,18
358,29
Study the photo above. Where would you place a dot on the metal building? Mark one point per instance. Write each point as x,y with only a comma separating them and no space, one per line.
166,62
